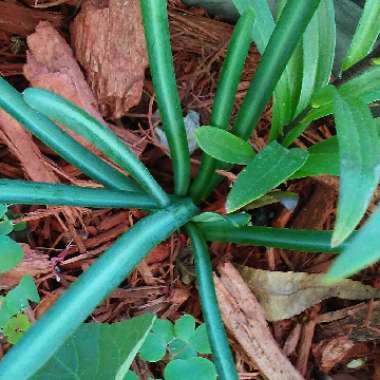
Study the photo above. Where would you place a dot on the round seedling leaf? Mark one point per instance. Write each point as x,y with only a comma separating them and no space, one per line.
16,327
199,341
153,349
184,327
164,329
195,368
223,145
131,376
180,349
10,253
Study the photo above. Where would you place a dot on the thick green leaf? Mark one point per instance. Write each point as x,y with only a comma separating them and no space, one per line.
3,210
323,159
365,87
365,35
131,376
6,227
10,253
98,351
363,250
190,369
359,151
184,327
272,166
223,145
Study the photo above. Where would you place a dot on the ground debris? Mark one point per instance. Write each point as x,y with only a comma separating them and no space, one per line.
108,40
245,319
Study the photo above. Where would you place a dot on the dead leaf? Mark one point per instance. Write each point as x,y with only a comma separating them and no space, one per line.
285,294
244,318
108,40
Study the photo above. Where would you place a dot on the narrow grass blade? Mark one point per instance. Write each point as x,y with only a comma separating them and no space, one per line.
156,27
272,166
34,193
365,35
55,138
223,145
64,317
359,151
76,119
361,252
218,338
289,29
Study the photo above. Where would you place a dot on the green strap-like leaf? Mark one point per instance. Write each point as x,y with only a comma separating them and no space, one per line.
59,141
67,313
98,351
309,68
359,151
218,338
365,35
76,119
156,28
36,193
272,166
223,145
288,31
224,99
362,251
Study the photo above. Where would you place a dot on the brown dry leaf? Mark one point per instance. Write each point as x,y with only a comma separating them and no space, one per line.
20,20
34,264
285,294
245,319
332,352
108,40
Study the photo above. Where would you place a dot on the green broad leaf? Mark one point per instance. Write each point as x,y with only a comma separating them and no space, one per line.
359,152
6,227
271,167
223,145
180,349
164,329
365,35
15,328
98,351
17,299
323,160
10,253
190,369
363,251
199,341
365,87
184,327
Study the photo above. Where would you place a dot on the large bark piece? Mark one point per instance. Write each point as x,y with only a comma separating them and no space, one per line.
108,40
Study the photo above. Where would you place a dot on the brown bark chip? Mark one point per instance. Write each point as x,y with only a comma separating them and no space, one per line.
245,319
108,40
